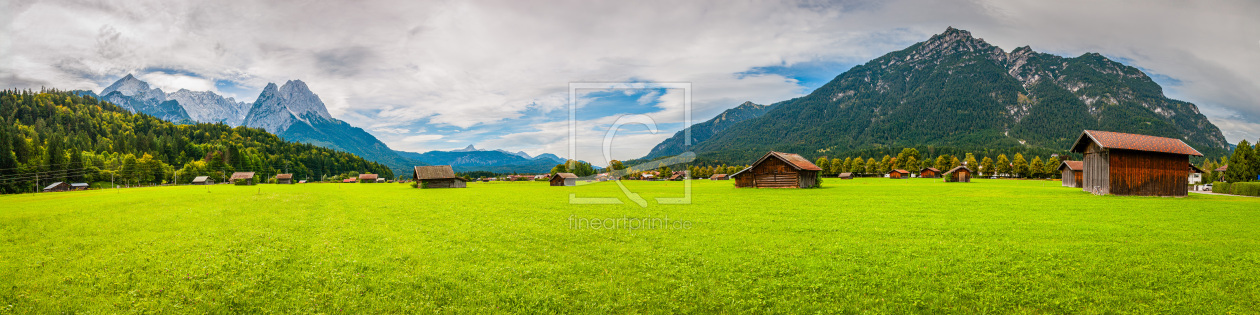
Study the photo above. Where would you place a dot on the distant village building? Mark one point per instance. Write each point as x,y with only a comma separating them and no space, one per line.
563,179
79,186
899,174
1220,171
350,180
929,172
1196,175
58,186
846,175
367,178
202,180
719,177
302,181
1073,173
438,176
677,176
779,170
284,179
1128,164
242,178
960,174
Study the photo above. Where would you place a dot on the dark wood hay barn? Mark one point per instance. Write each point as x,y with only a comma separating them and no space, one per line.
719,177
1127,164
930,172
367,178
960,174
563,179
846,176
899,174
1073,173
778,170
58,186
242,178
284,179
438,176
202,180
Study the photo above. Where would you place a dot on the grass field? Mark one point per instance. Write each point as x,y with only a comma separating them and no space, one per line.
865,245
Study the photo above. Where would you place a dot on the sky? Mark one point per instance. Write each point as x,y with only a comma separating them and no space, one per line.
440,75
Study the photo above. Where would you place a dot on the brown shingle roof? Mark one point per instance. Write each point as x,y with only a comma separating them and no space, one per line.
930,169
795,160
284,176
1222,168
1128,141
367,176
566,175
433,172
1072,165
900,171
348,180
242,175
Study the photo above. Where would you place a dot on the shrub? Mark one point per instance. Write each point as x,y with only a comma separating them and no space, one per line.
949,177
1242,188
415,184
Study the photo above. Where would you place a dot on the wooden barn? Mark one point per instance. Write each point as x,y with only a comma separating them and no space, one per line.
1073,173
960,174
242,178
563,179
284,179
678,176
1127,164
438,176
846,176
779,170
367,178
349,180
58,186
899,174
79,186
202,180
929,172
719,177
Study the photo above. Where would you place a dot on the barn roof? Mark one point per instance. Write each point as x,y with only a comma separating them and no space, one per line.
242,175
794,160
1128,141
367,176
718,176
284,176
846,174
899,171
930,169
434,172
200,179
1072,165
1222,168
566,175
54,185
951,171
79,185
348,180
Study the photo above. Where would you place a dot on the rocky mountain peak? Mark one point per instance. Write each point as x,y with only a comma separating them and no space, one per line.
128,86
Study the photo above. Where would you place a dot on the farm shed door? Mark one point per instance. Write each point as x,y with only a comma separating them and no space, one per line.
777,180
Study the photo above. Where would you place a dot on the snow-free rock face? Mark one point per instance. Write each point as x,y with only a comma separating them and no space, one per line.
208,107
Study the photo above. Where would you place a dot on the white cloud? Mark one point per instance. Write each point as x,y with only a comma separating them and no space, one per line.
175,82
390,64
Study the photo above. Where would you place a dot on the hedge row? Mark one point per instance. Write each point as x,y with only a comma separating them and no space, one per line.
1241,188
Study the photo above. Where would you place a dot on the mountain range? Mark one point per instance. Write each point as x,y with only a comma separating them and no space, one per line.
295,113
955,91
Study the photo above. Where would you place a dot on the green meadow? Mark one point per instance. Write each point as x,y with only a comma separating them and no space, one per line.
853,246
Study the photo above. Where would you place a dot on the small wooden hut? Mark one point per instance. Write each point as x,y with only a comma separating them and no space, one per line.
242,178
202,180
349,180
1126,164
779,170
58,186
719,177
899,174
677,176
929,172
438,176
284,179
960,174
846,176
563,179
367,178
79,186
1073,173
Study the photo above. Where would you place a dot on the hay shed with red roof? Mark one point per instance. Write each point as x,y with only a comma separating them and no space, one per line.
1126,164
779,170
1073,175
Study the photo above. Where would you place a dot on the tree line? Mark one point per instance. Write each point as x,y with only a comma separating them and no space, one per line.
50,136
910,159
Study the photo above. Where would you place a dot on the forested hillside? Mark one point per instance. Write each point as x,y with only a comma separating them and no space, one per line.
50,136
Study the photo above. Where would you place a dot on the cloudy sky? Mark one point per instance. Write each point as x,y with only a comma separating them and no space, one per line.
445,74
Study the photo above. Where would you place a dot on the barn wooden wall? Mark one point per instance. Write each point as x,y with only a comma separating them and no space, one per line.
771,173
1069,180
1097,172
1140,173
